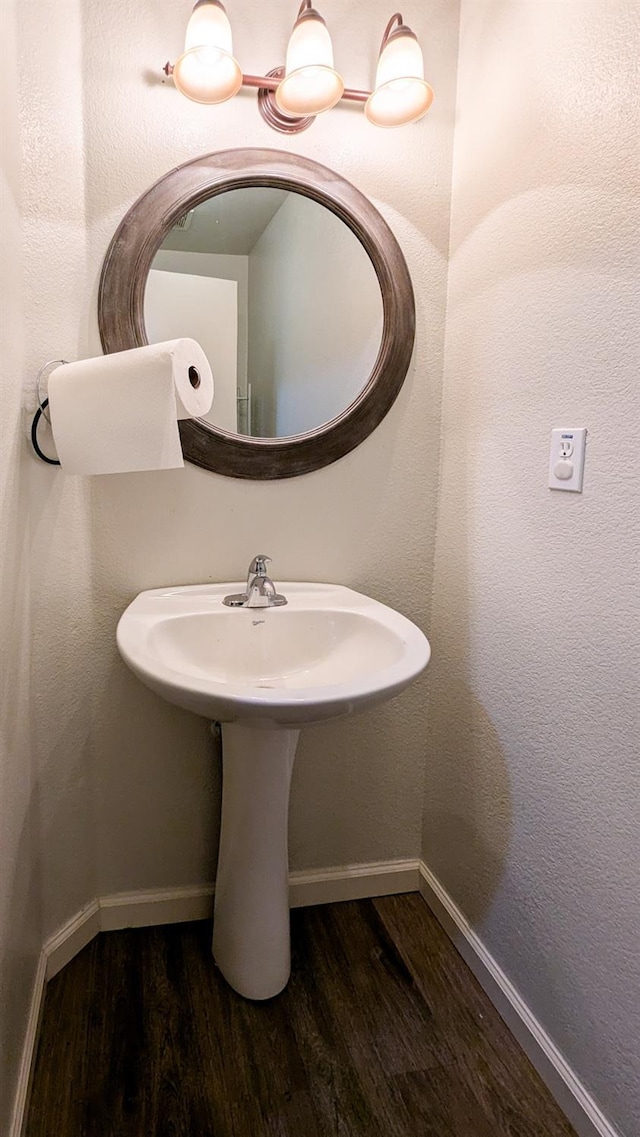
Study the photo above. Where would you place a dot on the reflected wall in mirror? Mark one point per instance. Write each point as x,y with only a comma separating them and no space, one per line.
284,300
295,286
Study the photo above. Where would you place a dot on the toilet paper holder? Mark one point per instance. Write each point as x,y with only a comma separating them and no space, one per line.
41,412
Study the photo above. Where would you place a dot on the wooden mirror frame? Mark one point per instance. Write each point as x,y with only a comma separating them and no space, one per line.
140,235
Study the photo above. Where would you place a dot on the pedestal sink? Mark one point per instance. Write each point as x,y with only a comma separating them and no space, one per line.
263,673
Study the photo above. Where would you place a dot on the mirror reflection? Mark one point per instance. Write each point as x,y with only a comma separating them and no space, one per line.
284,300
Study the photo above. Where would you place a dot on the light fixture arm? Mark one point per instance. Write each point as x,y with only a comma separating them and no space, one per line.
271,83
396,20
307,11
395,27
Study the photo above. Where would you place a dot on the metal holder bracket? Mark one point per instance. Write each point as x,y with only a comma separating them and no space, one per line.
43,413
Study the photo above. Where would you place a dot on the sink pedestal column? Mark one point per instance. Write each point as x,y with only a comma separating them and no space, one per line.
251,940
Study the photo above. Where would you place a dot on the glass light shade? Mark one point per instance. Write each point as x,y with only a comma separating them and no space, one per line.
207,71
209,24
207,75
311,84
401,94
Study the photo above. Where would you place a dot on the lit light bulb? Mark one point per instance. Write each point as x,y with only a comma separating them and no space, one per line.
311,84
207,71
401,94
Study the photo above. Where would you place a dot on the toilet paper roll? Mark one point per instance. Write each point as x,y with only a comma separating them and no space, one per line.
119,413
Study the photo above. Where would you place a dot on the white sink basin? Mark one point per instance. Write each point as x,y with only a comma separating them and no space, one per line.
328,652
263,673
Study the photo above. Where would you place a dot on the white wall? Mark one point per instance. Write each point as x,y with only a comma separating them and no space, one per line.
205,309
47,623
533,773
124,789
19,807
316,319
224,266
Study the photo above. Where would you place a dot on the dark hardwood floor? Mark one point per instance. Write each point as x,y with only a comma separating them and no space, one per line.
382,1032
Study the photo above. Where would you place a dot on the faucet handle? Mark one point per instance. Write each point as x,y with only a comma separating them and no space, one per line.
259,565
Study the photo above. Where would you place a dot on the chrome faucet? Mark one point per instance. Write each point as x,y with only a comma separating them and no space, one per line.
257,569
260,591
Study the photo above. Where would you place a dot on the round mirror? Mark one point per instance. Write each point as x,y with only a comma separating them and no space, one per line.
294,286
283,299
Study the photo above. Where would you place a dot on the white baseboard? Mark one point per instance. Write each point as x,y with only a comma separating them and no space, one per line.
145,909
572,1097
352,882
315,886
64,944
161,906
25,1072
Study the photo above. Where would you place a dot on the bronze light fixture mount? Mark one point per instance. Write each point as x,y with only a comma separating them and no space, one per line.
267,85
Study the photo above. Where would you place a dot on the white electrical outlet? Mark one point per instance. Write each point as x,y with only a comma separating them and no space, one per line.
566,461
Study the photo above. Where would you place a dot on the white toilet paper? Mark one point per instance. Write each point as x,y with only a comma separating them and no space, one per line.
119,412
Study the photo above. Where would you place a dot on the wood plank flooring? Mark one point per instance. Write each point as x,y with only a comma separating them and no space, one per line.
382,1032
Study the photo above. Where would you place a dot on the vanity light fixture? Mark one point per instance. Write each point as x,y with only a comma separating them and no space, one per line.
207,71
401,93
310,84
290,97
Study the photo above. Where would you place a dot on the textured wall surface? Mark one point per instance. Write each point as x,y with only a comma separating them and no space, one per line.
533,773
20,886
301,377
105,787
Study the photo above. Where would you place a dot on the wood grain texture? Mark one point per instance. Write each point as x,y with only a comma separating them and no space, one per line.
140,235
382,1032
